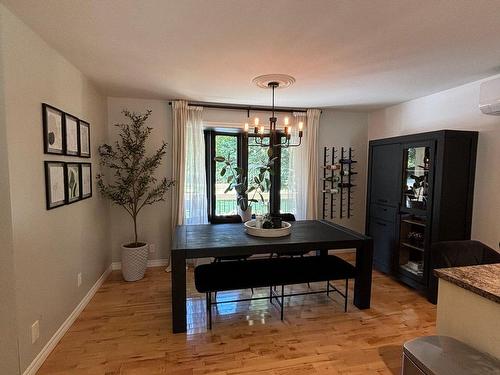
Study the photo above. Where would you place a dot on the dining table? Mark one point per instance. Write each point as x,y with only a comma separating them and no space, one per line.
222,240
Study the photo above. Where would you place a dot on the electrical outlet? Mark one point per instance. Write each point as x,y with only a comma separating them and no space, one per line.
152,248
79,279
35,332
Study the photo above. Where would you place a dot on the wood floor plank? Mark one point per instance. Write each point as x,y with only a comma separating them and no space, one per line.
126,330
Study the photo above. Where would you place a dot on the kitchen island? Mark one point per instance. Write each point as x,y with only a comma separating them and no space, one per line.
469,306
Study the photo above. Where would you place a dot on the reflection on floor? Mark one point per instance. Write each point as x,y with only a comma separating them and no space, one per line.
126,329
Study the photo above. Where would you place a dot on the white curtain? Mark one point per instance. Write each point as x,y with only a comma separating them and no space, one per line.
195,183
303,174
189,204
297,173
179,121
311,139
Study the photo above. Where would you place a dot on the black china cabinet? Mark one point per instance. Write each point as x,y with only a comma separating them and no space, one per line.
420,191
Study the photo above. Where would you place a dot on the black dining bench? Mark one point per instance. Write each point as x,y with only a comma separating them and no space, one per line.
255,273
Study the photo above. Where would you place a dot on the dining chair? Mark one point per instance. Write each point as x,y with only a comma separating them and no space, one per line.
228,219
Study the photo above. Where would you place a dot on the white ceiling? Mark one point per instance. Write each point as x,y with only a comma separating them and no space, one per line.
347,53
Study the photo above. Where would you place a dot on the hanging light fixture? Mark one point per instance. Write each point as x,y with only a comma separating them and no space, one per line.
274,135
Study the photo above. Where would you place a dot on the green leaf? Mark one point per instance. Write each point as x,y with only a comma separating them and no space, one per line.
229,188
230,178
256,179
252,188
223,171
261,177
220,158
261,197
270,152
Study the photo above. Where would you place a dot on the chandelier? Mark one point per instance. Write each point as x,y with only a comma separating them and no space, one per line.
274,135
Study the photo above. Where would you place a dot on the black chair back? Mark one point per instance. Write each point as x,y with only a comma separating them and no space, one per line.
228,219
287,217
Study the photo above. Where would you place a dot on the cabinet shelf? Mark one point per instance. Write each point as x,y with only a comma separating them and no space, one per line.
412,246
414,222
408,269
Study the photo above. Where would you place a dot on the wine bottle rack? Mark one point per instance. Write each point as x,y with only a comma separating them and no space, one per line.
338,182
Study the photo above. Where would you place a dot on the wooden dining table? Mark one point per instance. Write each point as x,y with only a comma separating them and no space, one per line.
207,240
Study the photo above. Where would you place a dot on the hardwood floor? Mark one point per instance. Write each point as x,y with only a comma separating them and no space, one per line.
126,329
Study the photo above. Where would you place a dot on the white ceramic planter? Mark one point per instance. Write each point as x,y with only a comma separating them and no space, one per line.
134,262
245,215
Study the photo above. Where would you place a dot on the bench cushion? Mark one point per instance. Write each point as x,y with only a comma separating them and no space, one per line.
256,273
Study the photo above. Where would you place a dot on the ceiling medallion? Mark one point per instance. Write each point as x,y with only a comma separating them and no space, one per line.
283,81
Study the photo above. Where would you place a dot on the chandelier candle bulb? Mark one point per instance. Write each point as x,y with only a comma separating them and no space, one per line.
286,121
246,127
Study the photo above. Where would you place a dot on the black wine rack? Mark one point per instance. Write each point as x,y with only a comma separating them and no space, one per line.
338,182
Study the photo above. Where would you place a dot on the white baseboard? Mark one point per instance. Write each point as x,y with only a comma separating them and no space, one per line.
51,344
151,263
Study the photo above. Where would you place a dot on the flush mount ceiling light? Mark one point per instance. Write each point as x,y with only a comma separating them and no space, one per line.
273,82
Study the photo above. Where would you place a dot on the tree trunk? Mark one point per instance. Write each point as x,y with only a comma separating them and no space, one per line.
135,230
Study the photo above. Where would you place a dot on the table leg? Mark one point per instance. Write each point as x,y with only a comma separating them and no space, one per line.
178,292
363,282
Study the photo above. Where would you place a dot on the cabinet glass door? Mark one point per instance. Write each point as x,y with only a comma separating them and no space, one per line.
416,177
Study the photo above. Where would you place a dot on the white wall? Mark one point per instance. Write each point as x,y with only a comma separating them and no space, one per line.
347,129
456,108
49,247
9,363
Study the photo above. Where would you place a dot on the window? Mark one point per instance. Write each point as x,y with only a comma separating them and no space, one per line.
248,157
225,203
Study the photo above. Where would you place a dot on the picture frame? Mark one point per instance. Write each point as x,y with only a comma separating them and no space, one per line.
85,180
84,139
72,182
55,184
71,134
53,130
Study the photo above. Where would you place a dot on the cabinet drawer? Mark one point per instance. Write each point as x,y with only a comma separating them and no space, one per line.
383,212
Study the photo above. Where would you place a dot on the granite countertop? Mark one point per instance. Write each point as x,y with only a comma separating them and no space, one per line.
483,280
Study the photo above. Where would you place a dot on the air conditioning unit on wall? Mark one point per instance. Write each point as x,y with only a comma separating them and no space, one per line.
489,97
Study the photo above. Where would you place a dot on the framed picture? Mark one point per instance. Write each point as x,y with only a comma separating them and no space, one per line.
53,130
73,192
84,139
54,184
86,180
71,134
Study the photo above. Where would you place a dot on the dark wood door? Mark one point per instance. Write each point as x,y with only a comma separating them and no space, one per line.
383,234
385,170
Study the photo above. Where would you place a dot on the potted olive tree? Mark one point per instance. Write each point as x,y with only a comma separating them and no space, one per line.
133,184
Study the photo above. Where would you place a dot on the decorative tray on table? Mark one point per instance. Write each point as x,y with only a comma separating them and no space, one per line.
262,232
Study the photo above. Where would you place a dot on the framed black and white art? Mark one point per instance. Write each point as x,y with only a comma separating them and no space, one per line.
84,139
53,130
71,134
86,180
54,184
73,192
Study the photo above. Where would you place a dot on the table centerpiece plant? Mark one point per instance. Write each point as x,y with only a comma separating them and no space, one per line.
134,184
237,181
